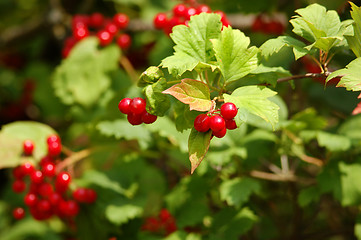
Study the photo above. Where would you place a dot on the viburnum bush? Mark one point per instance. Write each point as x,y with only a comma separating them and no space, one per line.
235,124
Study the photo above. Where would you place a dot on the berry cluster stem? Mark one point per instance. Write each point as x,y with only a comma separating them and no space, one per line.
73,158
128,67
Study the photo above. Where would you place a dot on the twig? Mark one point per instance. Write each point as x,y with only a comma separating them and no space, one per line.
75,157
312,160
128,67
307,75
280,177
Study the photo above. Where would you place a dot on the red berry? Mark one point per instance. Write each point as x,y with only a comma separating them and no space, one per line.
111,28
69,208
80,195
43,205
37,177
121,20
190,12
49,169
124,105
231,124
204,8
257,24
105,38
80,21
18,172
54,198
174,21
96,20
273,27
124,41
228,110
135,119
62,182
54,149
160,21
137,105
152,224
80,33
30,199
45,190
18,213
217,123
18,186
53,138
148,118
91,196
28,147
221,133
180,10
45,160
201,123
27,168
164,215
170,227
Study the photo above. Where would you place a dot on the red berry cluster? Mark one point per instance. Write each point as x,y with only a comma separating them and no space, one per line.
47,193
96,24
218,123
181,14
267,25
136,111
163,224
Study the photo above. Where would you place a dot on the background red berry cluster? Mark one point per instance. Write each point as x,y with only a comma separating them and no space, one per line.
136,111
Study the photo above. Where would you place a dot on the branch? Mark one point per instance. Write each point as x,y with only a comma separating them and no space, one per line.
307,75
280,177
73,159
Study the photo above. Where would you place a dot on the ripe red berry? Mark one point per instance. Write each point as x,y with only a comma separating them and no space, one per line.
80,195
62,182
37,177
257,24
96,20
18,213
135,119
217,123
28,147
91,196
274,27
69,208
53,138
148,118
18,172
80,21
221,133
137,105
231,124
111,28
190,12
27,168
121,20
228,110
160,21
201,123
124,41
180,10
45,189
43,205
80,33
124,105
204,8
18,186
30,199
54,149
164,215
48,169
105,38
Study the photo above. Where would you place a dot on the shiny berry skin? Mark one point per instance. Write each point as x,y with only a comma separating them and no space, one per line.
48,169
221,133
45,189
30,199
55,198
105,38
54,149
204,8
53,138
69,208
62,182
27,168
121,20
190,12
160,21
137,105
230,124
148,118
80,21
19,213
111,28
43,205
124,41
124,105
28,147
217,123
91,196
180,10
135,119
228,110
45,160
80,33
80,195
37,177
96,20
18,186
201,123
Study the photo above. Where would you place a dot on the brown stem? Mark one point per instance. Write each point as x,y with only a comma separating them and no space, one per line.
280,177
128,67
307,75
75,157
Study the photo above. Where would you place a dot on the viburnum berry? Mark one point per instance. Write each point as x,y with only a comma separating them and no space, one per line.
230,124
18,186
137,105
18,172
48,169
204,8
79,195
96,20
53,138
69,208
121,20
160,21
80,21
27,168
105,38
190,12
91,196
30,199
111,27
124,105
80,33
45,189
228,110
201,123
220,134
148,118
54,198
54,149
134,119
28,147
37,177
180,10
217,123
19,213
43,205
62,182
124,41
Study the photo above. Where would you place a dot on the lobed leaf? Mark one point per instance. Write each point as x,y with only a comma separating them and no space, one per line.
198,145
351,76
273,46
157,102
354,39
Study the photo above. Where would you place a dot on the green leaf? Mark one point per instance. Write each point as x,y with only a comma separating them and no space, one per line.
354,40
192,92
333,142
254,100
358,227
12,136
273,46
237,191
351,76
198,144
83,78
308,195
350,183
120,214
157,102
350,128
122,129
193,44
150,76
234,58
264,74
